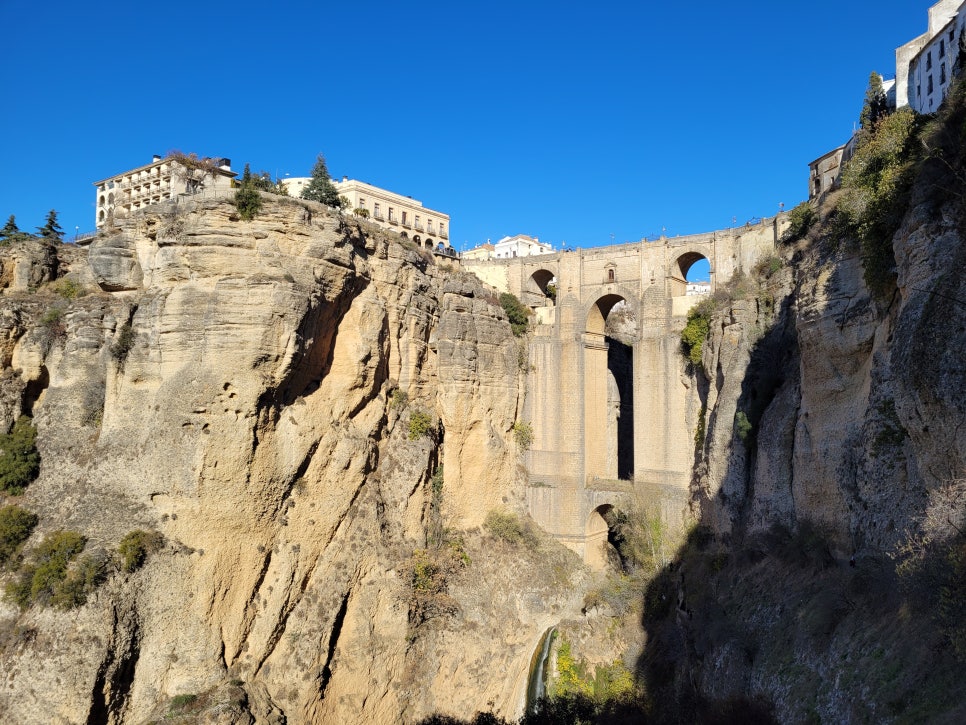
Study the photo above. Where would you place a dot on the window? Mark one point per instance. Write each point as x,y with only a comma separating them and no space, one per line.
392,214
929,60
362,201
929,85
429,226
403,217
918,91
942,48
610,274
942,72
375,210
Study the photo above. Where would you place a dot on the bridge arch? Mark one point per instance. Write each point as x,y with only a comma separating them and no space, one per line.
678,273
608,394
539,287
596,537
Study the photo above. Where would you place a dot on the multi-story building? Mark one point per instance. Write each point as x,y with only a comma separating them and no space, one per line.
159,181
480,251
823,172
402,214
520,245
924,65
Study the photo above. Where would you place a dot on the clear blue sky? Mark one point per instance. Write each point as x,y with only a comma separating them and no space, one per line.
580,122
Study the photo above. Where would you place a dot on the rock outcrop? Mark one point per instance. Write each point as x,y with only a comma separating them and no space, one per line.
245,389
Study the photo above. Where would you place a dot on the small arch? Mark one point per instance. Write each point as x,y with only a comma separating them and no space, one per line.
110,198
417,239
597,316
101,201
102,215
429,244
596,537
540,287
686,269
404,235
610,274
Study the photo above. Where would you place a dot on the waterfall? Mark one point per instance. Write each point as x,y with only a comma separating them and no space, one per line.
537,684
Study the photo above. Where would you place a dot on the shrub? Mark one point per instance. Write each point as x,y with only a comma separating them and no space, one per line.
248,201
135,547
399,399
429,572
511,528
179,702
16,525
523,435
45,579
800,220
742,426
768,266
66,288
123,344
420,424
696,330
19,460
516,313
53,325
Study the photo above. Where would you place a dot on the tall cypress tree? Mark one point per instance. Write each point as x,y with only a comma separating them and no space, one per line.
876,105
321,188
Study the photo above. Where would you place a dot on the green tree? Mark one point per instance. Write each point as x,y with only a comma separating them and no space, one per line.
19,459
11,232
876,106
51,229
248,199
321,188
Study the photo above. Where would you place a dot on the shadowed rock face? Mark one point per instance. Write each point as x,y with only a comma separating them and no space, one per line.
250,422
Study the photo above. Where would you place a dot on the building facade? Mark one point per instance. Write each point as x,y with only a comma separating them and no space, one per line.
924,65
520,245
401,214
157,182
823,172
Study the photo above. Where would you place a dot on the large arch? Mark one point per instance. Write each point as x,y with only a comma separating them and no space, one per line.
608,397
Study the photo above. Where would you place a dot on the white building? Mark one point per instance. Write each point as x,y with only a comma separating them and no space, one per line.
924,65
402,214
698,288
157,182
520,245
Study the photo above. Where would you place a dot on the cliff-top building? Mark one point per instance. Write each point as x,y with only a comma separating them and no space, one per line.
157,182
402,214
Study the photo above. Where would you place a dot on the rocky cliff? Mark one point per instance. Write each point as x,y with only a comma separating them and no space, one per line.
827,578
246,389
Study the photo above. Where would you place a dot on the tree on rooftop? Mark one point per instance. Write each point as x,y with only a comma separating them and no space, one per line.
321,188
51,229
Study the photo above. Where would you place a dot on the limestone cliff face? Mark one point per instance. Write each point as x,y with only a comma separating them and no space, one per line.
854,404
252,423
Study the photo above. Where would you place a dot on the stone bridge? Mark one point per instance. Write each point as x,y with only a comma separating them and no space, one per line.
613,419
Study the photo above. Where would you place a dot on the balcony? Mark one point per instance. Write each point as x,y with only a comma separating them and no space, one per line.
378,215
418,227
406,224
393,220
443,234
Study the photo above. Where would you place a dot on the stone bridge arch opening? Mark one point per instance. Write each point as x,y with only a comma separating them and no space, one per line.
540,287
601,536
688,268
608,395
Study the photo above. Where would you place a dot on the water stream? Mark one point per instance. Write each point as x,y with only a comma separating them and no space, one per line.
537,684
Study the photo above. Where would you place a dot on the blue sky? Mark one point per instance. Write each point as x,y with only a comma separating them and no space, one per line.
573,122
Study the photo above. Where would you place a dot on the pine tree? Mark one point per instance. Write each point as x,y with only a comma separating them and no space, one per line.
10,230
321,188
51,229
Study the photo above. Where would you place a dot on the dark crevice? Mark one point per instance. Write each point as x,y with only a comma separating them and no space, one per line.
326,675
114,679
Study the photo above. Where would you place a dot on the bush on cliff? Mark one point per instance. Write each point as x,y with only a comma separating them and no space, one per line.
47,579
16,525
19,459
135,547
515,312
696,330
